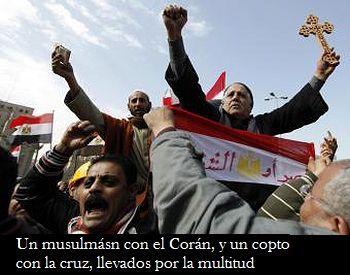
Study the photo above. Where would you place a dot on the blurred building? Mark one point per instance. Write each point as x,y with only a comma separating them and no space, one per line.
8,112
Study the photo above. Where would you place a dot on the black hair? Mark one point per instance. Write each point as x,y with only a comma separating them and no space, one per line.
124,162
248,90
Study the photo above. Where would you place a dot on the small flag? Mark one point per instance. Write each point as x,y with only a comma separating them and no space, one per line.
32,129
218,86
170,98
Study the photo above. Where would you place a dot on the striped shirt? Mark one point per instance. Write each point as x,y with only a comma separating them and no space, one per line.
52,163
286,201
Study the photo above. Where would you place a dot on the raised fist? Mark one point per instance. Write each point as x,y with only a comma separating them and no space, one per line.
175,18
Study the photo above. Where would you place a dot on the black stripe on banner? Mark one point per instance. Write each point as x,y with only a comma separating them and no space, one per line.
20,139
253,193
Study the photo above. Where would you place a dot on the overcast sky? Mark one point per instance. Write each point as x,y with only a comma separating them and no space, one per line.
120,45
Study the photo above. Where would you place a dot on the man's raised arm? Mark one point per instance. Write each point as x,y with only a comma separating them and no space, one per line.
76,99
180,75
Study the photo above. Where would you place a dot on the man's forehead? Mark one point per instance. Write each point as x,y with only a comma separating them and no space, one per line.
138,94
328,175
104,168
236,87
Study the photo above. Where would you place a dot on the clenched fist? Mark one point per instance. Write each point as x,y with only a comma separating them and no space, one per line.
174,18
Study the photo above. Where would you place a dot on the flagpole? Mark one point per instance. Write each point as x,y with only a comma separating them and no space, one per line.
3,136
37,153
53,111
7,122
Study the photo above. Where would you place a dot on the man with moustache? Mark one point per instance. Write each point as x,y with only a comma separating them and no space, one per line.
129,137
106,202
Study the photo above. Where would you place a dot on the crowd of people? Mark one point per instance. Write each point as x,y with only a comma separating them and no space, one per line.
136,188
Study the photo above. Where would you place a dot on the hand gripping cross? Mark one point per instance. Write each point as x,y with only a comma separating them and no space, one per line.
312,27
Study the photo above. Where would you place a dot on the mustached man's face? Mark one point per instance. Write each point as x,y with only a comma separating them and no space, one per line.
237,101
104,196
139,104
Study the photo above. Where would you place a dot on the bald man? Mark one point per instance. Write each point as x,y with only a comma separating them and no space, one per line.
327,203
130,137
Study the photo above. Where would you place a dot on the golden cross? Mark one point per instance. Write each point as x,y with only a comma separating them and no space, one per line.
312,27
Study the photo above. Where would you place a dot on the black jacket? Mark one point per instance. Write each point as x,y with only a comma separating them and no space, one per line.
44,202
304,108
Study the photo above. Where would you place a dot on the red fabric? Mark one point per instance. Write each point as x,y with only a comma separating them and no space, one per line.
167,101
296,150
217,87
118,135
45,118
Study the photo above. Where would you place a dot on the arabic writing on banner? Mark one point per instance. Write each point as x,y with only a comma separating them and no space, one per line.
229,161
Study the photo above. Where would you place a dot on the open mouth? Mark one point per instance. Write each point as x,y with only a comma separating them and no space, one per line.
236,106
95,206
139,112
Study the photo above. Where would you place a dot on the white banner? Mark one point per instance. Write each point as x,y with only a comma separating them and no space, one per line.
229,161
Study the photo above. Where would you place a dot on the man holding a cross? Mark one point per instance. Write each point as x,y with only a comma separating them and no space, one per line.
235,109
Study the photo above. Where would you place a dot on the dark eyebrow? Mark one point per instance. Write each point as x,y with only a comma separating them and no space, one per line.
109,177
103,178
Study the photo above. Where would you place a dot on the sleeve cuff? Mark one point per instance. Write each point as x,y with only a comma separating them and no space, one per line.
52,163
310,177
168,129
316,83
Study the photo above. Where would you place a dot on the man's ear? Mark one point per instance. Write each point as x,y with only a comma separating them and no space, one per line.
341,226
129,106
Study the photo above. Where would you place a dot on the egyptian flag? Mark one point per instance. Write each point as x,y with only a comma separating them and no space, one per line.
32,129
251,164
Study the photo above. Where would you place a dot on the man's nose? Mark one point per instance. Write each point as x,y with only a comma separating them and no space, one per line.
235,96
95,187
138,103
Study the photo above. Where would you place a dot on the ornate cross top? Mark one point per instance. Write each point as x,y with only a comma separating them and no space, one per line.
312,27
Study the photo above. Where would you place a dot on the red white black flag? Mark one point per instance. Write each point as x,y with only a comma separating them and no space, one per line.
250,164
32,129
232,155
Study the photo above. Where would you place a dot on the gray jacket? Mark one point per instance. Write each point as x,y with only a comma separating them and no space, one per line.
187,201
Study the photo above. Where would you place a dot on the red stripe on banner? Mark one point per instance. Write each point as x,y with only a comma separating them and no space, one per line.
296,150
217,87
45,118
